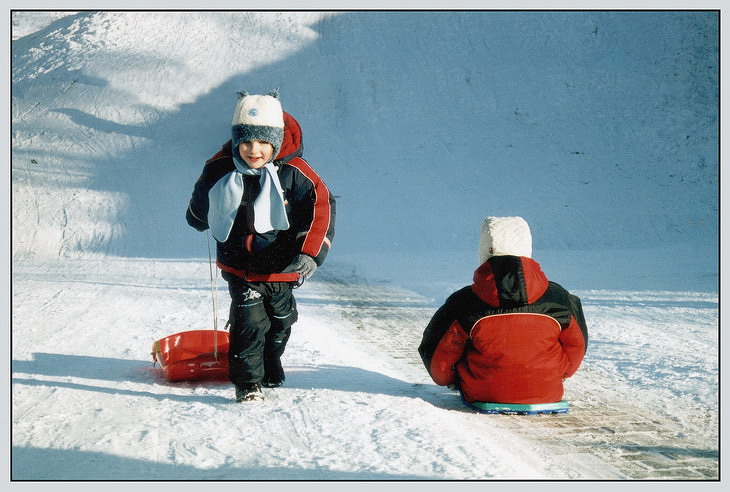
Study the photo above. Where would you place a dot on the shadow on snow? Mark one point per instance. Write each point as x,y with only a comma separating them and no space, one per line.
304,377
69,464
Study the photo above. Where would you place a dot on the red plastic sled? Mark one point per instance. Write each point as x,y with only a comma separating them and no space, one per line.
191,355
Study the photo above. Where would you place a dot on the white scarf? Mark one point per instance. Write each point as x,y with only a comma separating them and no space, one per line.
225,197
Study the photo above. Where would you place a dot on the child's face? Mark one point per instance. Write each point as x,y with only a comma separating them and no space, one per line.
256,153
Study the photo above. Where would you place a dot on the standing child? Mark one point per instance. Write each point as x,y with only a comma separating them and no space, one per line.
273,221
512,336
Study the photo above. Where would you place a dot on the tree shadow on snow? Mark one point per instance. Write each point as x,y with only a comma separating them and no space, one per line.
304,377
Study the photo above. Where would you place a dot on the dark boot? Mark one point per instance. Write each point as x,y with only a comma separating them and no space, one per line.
274,375
251,392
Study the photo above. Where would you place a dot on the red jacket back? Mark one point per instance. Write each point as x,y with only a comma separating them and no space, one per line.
510,337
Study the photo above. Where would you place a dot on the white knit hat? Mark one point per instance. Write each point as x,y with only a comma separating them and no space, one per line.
502,236
258,117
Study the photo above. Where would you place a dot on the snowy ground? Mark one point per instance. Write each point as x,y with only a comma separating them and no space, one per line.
610,140
88,404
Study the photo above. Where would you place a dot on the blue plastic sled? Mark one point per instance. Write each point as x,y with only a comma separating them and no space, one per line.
519,408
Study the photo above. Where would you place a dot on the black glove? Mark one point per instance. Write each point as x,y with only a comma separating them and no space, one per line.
302,264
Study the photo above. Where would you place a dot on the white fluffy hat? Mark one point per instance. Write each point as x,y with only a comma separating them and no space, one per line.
502,236
258,117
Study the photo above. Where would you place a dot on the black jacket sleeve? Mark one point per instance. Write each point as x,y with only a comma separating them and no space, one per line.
437,328
215,168
576,310
313,211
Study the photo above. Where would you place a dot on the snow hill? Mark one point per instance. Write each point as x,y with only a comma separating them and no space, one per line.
602,132
600,128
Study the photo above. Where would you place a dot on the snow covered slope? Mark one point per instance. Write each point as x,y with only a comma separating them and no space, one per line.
600,128
357,403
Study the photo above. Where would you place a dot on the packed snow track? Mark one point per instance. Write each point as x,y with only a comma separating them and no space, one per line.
357,403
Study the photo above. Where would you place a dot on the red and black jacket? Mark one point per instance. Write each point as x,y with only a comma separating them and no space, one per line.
510,337
309,204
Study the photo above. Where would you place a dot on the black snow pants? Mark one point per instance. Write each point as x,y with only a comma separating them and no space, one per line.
261,317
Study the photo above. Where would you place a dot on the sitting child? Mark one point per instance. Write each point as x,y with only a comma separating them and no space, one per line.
513,336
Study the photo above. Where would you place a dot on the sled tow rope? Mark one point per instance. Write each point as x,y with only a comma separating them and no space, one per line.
214,295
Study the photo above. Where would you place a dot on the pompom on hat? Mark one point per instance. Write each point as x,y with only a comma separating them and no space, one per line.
258,117
505,236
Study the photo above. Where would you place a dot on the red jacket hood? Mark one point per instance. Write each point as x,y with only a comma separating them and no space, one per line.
292,145
509,281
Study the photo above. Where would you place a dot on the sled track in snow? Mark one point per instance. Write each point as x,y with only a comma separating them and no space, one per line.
637,442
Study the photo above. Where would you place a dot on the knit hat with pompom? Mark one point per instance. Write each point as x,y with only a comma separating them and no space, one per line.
257,117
